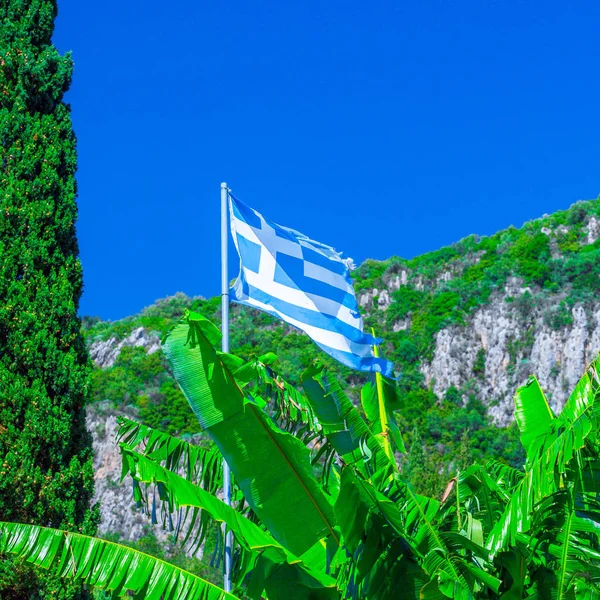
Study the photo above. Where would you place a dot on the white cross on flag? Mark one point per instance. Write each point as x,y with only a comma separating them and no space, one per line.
303,282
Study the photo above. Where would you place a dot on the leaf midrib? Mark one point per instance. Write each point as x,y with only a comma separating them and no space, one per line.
565,553
295,473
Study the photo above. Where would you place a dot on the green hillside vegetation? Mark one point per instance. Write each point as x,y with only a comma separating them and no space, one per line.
555,263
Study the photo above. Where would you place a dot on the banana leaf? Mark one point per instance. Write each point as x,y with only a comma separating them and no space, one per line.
369,397
373,535
507,478
532,412
444,555
289,408
177,492
481,495
449,552
568,544
106,565
203,466
343,425
271,467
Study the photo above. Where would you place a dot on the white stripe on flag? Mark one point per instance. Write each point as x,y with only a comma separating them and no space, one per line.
322,336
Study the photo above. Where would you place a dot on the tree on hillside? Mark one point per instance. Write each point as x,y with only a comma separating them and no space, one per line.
46,471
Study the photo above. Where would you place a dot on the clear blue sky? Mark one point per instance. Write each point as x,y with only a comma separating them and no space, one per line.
381,128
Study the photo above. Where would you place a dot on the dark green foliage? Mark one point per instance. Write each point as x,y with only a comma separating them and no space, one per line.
478,271
523,305
559,316
408,351
429,313
414,469
582,271
132,370
168,410
531,253
520,346
141,381
497,531
46,473
369,270
453,396
445,287
578,213
405,301
479,267
479,364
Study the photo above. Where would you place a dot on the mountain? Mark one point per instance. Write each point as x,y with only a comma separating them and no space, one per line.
481,315
465,326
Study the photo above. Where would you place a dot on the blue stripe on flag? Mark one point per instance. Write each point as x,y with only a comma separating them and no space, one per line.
368,363
282,232
245,213
306,315
349,359
322,261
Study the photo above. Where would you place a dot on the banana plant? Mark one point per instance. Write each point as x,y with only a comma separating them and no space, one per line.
542,526
320,508
272,471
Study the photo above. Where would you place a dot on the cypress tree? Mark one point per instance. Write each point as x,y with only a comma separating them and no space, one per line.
46,471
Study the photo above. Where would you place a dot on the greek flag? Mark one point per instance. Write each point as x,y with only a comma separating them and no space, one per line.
303,282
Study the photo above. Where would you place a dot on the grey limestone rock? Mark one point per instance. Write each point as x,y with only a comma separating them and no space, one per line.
593,230
514,347
104,353
118,511
117,508
557,357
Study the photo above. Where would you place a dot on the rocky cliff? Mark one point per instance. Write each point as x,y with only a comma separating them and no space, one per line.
118,512
104,353
485,314
513,348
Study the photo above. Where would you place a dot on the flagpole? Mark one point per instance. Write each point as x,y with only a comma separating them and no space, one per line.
225,348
